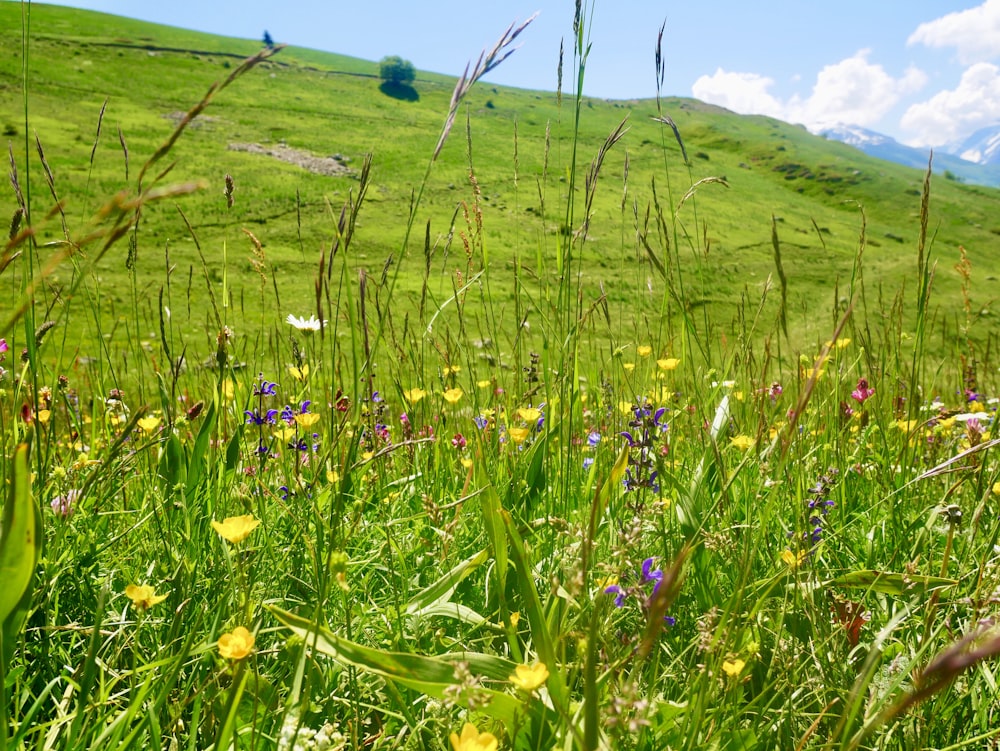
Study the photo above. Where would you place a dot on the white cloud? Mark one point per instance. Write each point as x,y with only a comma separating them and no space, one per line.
852,91
974,33
950,115
746,93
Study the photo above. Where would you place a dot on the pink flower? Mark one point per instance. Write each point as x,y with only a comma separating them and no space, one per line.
863,392
64,505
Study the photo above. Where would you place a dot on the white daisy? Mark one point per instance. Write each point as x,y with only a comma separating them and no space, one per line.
306,324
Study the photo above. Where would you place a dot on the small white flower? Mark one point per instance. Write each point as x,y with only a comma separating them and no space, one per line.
968,416
306,324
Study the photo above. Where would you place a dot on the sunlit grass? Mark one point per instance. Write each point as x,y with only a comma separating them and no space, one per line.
486,520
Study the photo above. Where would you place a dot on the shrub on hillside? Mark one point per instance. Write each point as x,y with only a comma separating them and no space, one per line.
396,70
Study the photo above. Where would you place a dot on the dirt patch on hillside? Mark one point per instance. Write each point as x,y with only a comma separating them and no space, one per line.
319,165
176,117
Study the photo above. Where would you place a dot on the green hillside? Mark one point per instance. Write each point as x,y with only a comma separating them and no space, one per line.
306,104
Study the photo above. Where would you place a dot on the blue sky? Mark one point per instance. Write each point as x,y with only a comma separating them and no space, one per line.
923,71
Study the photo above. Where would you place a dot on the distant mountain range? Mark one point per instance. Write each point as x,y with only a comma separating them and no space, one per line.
975,160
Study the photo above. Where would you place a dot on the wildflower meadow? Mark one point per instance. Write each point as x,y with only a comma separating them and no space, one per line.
437,500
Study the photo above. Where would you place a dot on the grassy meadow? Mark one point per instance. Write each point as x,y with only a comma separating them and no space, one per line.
484,418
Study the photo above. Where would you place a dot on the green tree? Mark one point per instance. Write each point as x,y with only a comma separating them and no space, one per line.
396,70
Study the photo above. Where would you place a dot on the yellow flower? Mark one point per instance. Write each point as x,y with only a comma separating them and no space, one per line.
307,420
414,395
228,389
237,644
529,677
45,415
518,435
996,488
299,374
332,476
817,370
629,366
284,432
906,425
529,414
143,597
515,618
236,528
149,424
668,363
742,442
466,462
448,370
472,740
733,667
484,384
793,559
644,350
453,395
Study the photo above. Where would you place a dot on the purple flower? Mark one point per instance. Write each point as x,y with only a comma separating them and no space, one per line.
593,438
649,573
255,418
618,592
588,461
264,388
64,505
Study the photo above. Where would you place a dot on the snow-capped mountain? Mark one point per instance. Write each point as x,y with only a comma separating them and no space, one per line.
986,147
855,135
982,147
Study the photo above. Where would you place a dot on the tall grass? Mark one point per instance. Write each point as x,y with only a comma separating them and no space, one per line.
500,516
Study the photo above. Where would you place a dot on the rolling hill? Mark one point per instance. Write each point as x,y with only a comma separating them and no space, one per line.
293,134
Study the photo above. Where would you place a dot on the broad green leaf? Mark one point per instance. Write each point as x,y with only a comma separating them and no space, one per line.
442,589
603,494
618,470
536,470
196,464
533,608
171,467
429,675
448,609
489,503
233,450
20,538
891,584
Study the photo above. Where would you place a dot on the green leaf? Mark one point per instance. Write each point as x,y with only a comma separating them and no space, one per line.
448,609
429,675
20,538
891,584
441,590
536,470
533,609
172,467
233,450
197,462
489,504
